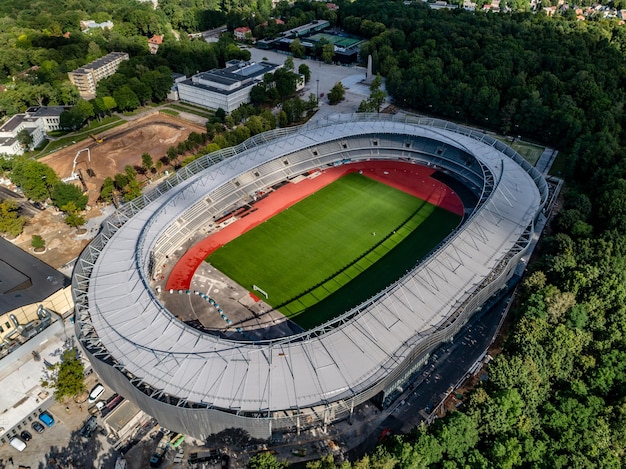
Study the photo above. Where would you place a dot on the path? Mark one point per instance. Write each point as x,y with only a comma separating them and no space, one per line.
544,163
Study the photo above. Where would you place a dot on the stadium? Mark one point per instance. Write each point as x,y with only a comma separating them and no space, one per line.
198,382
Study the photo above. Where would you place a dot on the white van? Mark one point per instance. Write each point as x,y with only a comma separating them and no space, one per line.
95,393
18,444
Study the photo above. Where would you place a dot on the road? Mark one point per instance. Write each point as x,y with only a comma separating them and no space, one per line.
446,367
26,208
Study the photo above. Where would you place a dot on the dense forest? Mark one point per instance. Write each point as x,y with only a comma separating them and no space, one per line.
556,396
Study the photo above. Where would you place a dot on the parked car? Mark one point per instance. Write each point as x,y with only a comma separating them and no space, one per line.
89,427
39,428
26,436
17,444
95,393
46,418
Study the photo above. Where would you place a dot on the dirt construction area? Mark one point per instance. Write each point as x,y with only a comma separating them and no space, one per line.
124,145
121,146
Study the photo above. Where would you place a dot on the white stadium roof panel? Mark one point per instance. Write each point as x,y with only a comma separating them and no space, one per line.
254,377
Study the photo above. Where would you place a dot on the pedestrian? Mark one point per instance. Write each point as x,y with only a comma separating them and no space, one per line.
80,407
11,460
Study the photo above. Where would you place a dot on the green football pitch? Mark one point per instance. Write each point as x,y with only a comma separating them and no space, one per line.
356,235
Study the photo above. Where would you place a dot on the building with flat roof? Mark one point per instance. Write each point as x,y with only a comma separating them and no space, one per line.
26,283
86,78
225,88
125,419
36,121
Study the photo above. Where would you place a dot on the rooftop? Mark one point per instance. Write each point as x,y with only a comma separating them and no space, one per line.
24,279
46,111
102,61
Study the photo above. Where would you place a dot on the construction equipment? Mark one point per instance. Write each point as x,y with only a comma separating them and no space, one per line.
96,139
74,175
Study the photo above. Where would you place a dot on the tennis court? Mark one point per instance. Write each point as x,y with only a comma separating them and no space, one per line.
339,41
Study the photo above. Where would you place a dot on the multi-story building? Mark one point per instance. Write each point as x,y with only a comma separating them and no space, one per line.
87,77
225,88
36,121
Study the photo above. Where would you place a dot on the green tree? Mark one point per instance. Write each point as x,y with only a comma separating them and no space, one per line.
146,161
107,190
336,94
34,178
305,71
25,138
266,460
67,376
133,190
289,65
328,52
297,48
78,114
63,193
126,99
377,95
74,220
141,90
37,242
11,222
72,215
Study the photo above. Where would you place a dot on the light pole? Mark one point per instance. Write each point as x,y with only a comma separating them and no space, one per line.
317,95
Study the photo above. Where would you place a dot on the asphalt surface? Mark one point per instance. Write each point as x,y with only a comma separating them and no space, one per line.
25,207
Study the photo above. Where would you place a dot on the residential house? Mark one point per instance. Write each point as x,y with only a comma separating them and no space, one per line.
243,33
154,42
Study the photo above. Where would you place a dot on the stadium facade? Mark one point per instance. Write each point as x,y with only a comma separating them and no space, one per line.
198,384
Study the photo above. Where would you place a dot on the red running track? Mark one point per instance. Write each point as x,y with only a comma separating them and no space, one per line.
407,177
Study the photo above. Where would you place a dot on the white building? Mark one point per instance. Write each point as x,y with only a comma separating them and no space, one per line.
87,77
85,26
36,121
225,88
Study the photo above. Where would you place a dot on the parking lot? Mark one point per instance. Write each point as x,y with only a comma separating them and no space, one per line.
61,445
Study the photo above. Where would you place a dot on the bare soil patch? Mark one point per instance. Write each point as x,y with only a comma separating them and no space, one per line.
62,243
121,146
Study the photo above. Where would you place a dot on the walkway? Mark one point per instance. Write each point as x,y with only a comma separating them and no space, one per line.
544,163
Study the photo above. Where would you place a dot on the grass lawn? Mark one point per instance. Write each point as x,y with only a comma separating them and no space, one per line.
202,112
93,128
352,228
529,151
170,112
559,167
